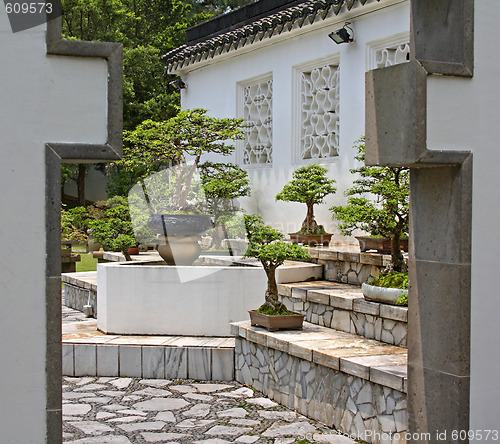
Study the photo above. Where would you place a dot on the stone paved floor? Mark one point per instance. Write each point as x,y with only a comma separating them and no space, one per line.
131,410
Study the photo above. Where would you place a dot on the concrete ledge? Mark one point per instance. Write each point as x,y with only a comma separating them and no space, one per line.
367,359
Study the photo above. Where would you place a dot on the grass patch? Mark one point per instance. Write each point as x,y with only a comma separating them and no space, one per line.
88,263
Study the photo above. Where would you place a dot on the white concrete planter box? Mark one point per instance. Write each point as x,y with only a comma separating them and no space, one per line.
382,294
151,299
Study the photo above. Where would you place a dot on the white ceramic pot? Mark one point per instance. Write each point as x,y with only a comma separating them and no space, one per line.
382,294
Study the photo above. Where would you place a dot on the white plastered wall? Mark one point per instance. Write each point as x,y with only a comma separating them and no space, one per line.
42,99
464,114
214,87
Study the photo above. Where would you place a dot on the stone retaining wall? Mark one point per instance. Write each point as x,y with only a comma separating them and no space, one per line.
349,267
371,320
76,297
352,405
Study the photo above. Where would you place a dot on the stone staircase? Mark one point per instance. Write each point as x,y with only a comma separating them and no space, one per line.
348,366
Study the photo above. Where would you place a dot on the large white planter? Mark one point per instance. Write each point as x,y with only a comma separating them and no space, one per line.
382,294
152,300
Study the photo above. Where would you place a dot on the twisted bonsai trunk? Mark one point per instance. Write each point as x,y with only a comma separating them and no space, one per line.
272,288
309,225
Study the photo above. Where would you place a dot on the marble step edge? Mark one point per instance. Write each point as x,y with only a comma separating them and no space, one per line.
146,360
341,296
86,280
377,362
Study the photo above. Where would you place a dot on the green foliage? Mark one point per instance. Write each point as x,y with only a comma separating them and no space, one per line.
393,279
309,185
72,224
266,244
378,200
403,299
378,203
113,230
223,182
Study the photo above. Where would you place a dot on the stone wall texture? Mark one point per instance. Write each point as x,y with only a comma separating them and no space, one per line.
350,404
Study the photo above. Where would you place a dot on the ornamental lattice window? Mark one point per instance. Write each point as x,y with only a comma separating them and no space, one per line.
257,112
319,113
393,55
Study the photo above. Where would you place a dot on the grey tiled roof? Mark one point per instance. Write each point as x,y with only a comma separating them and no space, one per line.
285,20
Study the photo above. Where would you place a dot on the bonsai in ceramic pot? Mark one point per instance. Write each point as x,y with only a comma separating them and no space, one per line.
266,244
178,201
309,185
379,204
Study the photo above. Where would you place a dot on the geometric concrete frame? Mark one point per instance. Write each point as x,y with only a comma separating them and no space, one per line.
443,36
55,154
440,214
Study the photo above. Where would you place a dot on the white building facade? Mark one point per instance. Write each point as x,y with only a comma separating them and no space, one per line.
301,94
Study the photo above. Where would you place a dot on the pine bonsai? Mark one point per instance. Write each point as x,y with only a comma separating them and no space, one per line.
385,213
309,185
266,244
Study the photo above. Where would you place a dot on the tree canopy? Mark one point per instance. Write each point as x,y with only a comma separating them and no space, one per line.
378,203
309,185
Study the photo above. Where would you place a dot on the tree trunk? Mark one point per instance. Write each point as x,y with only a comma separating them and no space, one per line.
309,225
272,287
397,259
128,258
80,184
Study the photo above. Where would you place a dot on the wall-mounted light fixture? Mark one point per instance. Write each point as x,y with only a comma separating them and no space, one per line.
343,35
178,83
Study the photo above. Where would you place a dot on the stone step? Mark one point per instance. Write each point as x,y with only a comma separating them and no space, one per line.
343,307
352,383
88,352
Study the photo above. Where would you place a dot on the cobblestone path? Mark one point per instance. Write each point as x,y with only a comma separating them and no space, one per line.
130,410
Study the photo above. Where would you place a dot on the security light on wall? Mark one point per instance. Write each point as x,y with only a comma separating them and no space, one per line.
179,84
343,35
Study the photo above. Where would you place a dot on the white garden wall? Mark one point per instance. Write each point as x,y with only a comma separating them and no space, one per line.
214,85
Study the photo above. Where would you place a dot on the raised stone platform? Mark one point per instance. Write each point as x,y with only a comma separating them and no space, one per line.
354,384
343,307
88,352
348,265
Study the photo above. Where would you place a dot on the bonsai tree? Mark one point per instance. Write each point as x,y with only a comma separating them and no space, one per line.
266,244
309,185
385,212
222,183
114,229
155,145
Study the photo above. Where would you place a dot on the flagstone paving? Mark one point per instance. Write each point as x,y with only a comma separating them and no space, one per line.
110,410
131,410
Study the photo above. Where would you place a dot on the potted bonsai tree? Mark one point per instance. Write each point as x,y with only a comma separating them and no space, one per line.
309,185
384,214
188,135
266,244
113,230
